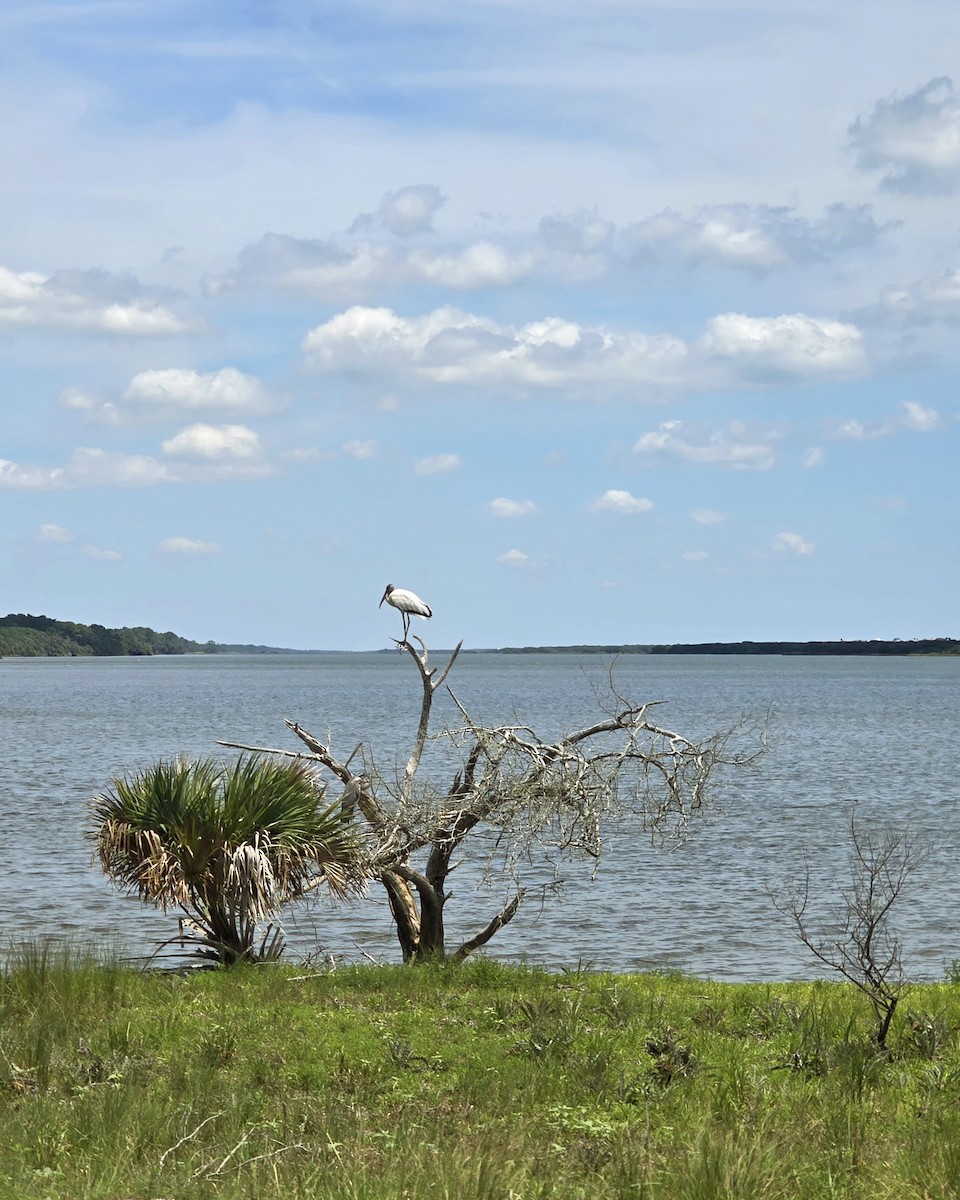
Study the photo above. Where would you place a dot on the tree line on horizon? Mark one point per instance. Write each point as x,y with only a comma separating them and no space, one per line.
857,646
25,636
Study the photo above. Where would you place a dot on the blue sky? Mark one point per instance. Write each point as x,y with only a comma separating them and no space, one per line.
589,321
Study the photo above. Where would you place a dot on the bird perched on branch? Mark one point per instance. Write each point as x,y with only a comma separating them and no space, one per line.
407,604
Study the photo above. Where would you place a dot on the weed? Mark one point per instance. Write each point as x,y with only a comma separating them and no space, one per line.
493,1082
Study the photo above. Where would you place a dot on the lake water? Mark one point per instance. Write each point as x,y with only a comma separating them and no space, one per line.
880,732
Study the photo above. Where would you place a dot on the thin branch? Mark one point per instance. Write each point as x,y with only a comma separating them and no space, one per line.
188,1136
503,917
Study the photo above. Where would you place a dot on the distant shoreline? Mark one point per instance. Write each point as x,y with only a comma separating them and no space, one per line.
855,647
25,636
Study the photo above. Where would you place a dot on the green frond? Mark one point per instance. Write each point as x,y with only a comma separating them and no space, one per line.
228,843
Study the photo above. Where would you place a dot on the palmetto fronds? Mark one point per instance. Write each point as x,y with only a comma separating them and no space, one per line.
229,844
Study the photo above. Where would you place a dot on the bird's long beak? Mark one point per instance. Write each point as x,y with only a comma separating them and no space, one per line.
382,598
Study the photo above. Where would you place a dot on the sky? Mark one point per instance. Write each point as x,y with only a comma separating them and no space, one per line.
590,321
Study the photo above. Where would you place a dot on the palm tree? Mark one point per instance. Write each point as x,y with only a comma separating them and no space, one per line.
227,844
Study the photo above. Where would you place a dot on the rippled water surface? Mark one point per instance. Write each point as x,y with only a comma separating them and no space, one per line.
877,731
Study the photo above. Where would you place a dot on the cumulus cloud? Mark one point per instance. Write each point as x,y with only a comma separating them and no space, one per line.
85,301
914,140
482,264
617,501
708,516
582,232
375,254
729,448
437,464
86,468
179,390
934,298
405,212
105,556
919,417
90,467
173,392
308,267
448,346
188,547
792,345
792,543
330,271
755,238
514,558
213,441
54,533
360,449
502,507
911,416
695,555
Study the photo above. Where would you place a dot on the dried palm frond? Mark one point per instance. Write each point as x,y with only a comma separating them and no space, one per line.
227,844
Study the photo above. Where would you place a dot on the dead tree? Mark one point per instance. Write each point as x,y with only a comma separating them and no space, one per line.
859,942
514,799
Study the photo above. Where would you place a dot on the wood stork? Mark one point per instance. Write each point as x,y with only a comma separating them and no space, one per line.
407,604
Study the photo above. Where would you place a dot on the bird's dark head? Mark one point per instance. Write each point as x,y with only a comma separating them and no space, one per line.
386,593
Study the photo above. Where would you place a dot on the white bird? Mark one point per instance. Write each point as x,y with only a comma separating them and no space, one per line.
407,604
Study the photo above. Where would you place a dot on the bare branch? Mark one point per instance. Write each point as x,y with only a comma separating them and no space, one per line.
860,945
512,799
503,917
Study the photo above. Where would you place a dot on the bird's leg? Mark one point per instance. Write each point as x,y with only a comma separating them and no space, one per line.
406,627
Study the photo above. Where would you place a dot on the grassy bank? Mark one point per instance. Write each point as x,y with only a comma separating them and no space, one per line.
473,1082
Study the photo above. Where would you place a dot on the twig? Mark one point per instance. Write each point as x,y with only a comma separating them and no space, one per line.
188,1136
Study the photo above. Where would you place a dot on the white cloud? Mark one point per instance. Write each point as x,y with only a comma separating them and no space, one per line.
178,390
55,533
514,558
618,501
360,449
213,441
917,417
911,416
502,507
189,547
856,431
452,347
728,449
708,516
756,238
812,457
89,302
933,298
575,247
172,392
792,543
482,264
86,468
695,555
223,455
104,556
437,464
787,345
407,211
456,348
583,233
914,140
330,271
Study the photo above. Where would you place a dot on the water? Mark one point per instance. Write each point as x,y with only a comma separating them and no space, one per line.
878,732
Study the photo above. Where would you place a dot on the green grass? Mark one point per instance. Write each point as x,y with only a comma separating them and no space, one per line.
477,1082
